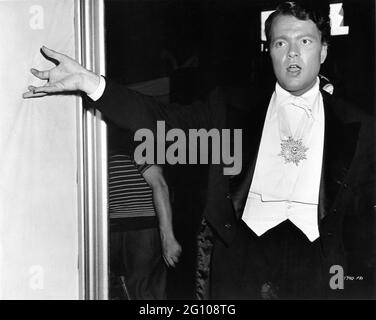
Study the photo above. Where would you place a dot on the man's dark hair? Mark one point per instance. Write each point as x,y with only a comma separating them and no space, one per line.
302,10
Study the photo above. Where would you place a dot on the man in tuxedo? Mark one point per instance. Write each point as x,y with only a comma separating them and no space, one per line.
278,224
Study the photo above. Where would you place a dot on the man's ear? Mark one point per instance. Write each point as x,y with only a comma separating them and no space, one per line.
324,52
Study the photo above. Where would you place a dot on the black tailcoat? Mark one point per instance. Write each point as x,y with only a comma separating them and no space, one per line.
348,159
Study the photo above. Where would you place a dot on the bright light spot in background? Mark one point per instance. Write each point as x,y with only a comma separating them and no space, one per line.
336,19
264,16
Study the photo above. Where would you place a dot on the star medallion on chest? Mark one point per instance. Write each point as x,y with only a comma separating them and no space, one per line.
293,150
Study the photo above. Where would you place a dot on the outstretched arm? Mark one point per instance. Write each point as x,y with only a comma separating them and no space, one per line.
171,249
126,108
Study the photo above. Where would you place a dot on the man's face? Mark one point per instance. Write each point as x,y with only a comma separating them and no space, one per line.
297,53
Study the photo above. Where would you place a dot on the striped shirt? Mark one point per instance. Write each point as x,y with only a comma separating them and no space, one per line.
129,194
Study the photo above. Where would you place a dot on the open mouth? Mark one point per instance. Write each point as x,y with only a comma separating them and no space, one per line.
294,68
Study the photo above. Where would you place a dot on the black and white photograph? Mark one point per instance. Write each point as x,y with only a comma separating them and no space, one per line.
187,151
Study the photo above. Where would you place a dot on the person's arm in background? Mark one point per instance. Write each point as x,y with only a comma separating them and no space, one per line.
171,249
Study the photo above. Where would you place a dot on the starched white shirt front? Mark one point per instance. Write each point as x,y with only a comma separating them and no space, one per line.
280,190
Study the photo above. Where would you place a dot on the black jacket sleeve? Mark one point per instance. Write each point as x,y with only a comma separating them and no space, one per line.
131,110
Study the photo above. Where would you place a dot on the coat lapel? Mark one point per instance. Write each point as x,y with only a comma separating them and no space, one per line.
240,184
340,141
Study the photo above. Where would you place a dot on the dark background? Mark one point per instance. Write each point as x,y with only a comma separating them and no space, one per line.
200,44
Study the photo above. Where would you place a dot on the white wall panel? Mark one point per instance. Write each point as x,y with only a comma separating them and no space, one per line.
38,157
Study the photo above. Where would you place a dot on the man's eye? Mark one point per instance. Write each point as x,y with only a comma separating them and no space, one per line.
279,44
306,41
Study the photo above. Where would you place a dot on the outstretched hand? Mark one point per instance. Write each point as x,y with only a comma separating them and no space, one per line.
67,75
